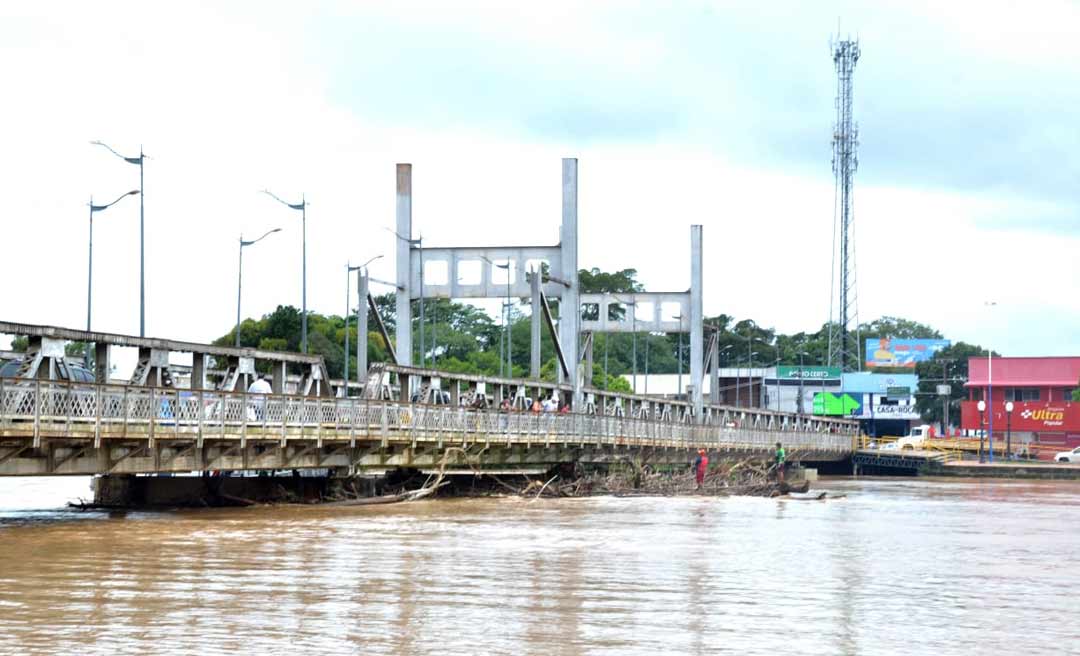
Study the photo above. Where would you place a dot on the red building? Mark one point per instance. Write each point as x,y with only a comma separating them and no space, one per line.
1040,389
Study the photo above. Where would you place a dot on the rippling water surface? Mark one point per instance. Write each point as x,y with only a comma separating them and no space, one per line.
916,566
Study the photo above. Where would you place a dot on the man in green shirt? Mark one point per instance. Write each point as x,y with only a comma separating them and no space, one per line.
781,458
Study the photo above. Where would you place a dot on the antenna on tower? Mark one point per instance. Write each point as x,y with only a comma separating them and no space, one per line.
844,347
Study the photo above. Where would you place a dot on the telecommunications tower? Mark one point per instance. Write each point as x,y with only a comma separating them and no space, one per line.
844,347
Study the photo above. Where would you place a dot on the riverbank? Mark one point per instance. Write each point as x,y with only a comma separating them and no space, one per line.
1008,469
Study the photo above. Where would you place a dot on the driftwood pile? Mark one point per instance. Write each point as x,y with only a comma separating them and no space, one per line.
729,478
749,477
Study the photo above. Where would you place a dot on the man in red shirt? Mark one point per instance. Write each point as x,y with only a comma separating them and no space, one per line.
701,465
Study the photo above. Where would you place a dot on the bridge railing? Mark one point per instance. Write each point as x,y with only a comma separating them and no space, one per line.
42,408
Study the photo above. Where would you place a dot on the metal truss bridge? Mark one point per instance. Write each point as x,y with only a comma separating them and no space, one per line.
52,423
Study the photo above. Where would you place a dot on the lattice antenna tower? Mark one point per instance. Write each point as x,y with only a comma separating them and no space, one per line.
844,347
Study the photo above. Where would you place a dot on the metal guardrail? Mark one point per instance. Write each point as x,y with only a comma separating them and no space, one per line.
40,409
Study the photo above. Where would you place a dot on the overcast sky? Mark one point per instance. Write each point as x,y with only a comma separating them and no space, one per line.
968,188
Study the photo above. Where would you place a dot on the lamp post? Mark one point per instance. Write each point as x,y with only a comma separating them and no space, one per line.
419,243
1008,429
726,360
302,207
802,377
361,308
982,433
240,276
506,324
142,232
90,265
776,374
750,378
990,388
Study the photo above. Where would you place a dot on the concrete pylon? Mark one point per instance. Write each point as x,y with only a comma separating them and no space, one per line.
570,305
404,264
697,333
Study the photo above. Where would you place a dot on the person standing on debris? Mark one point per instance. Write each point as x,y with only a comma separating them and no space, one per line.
781,462
701,465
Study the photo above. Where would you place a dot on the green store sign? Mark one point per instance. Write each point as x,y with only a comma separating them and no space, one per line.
808,373
828,403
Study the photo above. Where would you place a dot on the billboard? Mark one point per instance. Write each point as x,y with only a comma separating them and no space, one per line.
827,403
888,352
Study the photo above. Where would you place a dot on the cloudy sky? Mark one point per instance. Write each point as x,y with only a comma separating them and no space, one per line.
715,113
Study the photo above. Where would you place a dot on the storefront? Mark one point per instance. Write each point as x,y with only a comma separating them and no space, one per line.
1029,402
884,404
794,389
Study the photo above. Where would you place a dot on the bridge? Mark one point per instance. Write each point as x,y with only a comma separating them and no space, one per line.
184,407
51,423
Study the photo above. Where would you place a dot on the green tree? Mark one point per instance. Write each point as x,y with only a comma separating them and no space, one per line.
1076,392
948,366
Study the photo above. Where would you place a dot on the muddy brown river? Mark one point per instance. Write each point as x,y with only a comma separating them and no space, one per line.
898,566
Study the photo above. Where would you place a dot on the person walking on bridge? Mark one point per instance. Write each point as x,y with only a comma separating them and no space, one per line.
781,462
701,465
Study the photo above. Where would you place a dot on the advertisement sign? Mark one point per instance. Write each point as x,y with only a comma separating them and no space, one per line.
807,373
827,403
1035,416
886,352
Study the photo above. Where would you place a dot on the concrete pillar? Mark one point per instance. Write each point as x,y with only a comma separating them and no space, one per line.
535,327
102,365
404,264
198,370
696,320
361,327
570,306
279,372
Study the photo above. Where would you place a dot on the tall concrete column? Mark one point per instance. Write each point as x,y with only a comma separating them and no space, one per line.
404,264
696,320
570,306
535,327
361,326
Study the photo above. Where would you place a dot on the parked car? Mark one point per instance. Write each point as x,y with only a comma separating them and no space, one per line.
1069,456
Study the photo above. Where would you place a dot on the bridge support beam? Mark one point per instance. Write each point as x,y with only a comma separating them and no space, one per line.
404,264
570,304
696,321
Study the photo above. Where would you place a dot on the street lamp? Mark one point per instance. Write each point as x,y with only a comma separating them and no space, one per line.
802,377
419,243
142,251
982,433
302,206
1008,429
240,276
90,264
728,360
633,315
750,378
361,308
990,387
506,325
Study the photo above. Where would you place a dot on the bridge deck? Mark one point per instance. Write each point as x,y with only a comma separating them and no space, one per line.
69,428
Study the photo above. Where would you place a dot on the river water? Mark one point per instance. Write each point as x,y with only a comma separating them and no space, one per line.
899,565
